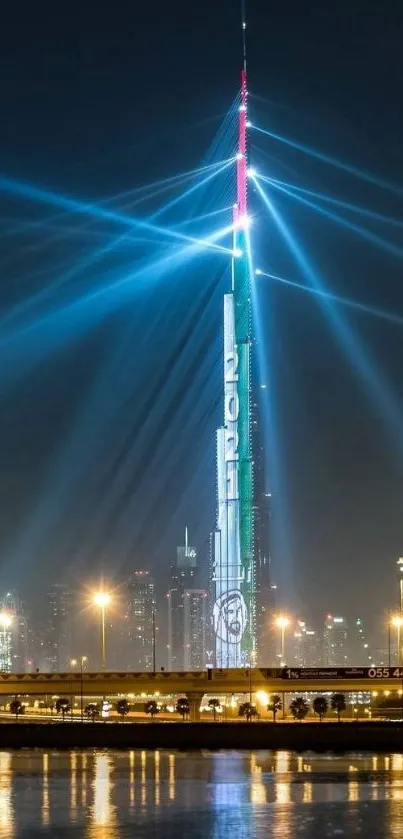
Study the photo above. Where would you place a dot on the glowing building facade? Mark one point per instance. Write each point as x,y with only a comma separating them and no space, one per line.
335,642
183,574
6,642
59,642
234,610
12,607
141,608
195,629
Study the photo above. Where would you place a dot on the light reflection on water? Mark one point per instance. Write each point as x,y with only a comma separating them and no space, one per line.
6,808
102,812
214,795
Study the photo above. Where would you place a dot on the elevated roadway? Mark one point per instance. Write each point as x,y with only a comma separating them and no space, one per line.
197,684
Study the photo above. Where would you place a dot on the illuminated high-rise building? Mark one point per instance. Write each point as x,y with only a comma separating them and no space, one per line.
359,651
306,646
265,587
141,620
335,642
183,573
234,561
195,629
59,629
14,608
6,643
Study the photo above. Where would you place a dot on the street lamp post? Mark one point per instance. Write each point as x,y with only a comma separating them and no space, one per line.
83,659
154,640
397,622
282,622
73,664
102,599
389,640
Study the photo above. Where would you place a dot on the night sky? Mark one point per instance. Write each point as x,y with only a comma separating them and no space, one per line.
107,423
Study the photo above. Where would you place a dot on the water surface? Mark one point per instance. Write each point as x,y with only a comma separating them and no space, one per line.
214,795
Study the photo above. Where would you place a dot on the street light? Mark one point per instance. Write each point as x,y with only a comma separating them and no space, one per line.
102,599
154,639
73,664
282,622
397,622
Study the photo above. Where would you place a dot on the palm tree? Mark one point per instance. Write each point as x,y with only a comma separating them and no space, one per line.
214,704
152,708
299,708
247,710
320,706
338,703
92,711
63,706
182,707
275,705
16,707
123,708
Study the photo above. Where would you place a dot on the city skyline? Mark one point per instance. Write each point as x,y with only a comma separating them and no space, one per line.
56,639
94,477
201,414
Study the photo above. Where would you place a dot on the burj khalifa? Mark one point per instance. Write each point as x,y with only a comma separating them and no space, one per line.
234,566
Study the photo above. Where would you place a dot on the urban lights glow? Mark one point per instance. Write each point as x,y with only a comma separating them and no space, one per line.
5,620
243,222
397,621
282,622
102,599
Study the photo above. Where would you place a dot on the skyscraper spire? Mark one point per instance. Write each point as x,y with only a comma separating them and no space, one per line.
242,150
234,610
243,12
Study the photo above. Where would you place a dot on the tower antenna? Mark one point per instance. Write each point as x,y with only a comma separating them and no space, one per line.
243,13
242,149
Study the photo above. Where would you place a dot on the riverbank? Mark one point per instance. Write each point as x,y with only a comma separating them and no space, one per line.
325,736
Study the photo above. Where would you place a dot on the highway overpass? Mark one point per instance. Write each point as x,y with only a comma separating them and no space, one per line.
195,685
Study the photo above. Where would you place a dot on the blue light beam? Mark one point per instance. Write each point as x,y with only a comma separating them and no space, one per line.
84,208
333,161
373,238
379,393
98,302
365,308
345,205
